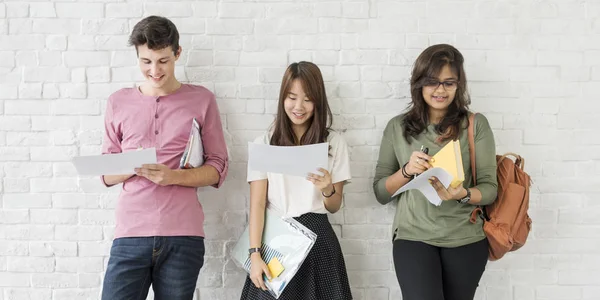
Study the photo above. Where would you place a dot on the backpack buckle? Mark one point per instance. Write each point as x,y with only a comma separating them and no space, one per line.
478,212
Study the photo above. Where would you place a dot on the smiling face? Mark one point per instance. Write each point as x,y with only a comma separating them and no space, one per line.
158,66
439,96
298,106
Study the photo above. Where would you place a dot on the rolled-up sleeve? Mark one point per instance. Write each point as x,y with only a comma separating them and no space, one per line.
485,149
111,142
341,163
213,140
387,165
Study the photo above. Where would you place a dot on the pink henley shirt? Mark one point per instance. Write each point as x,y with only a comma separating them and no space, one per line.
134,120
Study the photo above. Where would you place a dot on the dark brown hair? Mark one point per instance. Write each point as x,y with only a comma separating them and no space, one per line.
311,80
156,32
427,66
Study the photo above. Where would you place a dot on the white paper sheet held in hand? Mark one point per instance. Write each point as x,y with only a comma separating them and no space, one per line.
294,160
422,184
114,164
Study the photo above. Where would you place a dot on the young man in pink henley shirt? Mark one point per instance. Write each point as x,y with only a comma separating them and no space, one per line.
159,235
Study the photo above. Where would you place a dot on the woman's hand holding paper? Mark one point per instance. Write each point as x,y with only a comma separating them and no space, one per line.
449,193
323,183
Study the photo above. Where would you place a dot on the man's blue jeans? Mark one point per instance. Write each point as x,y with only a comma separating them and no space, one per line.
171,264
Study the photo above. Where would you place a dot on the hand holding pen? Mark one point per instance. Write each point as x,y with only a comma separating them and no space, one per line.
418,163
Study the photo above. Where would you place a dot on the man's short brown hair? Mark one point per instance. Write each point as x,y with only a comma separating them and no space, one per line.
156,33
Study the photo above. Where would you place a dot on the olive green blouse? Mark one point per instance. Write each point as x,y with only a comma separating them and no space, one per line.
416,219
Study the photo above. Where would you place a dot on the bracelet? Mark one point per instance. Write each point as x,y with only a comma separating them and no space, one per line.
404,173
252,250
332,193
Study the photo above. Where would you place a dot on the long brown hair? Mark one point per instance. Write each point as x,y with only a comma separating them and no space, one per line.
428,65
311,79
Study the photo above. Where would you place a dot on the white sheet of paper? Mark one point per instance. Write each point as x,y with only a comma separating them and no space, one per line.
289,160
422,184
114,164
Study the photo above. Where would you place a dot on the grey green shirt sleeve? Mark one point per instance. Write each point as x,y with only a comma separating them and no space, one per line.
387,164
485,160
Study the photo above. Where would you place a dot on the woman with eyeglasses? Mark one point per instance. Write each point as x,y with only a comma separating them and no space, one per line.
438,254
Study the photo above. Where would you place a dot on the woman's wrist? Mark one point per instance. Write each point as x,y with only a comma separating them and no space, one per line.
463,193
405,172
328,191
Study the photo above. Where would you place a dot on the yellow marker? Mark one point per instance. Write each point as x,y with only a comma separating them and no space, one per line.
275,267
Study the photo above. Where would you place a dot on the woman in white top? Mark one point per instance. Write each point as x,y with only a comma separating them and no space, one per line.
303,117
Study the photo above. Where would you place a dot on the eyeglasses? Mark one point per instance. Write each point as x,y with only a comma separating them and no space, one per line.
434,84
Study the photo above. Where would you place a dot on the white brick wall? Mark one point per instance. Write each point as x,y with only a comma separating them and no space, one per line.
533,68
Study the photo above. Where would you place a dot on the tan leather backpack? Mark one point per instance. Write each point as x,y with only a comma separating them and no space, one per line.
506,221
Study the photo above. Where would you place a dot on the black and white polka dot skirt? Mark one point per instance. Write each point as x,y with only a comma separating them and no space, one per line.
322,275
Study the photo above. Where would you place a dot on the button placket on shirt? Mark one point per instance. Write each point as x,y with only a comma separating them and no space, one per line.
156,124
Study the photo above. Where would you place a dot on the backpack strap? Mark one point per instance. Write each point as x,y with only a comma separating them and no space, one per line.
471,132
